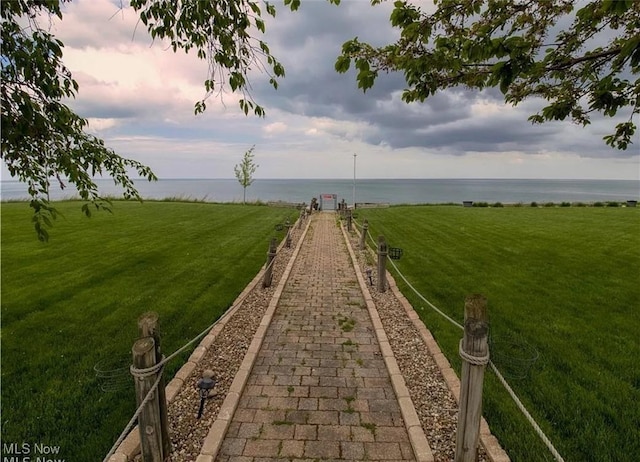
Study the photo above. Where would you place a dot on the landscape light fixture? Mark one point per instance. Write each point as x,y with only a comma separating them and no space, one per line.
205,385
368,271
395,253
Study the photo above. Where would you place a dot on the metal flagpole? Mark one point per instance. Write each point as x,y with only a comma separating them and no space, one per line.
354,180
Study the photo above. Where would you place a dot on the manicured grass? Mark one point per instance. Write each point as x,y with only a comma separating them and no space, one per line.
565,281
73,302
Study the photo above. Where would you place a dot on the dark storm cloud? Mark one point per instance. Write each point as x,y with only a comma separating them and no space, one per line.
308,41
467,136
571,138
319,21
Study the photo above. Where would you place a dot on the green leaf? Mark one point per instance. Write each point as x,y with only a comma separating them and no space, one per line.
536,119
255,8
244,106
342,64
271,9
278,69
362,65
292,4
630,47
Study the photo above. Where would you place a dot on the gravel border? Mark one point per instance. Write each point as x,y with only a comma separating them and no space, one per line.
224,357
427,373
221,351
432,383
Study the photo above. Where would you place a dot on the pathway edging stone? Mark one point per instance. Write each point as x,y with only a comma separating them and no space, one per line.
491,445
331,433
216,435
129,449
417,437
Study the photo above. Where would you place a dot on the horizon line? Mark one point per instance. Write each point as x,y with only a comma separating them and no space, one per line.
139,179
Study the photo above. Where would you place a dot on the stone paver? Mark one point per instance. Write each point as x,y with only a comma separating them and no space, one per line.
319,388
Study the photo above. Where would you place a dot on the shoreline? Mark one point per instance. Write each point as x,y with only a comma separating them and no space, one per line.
362,191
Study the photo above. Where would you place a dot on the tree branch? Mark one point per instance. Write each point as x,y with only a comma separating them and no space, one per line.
589,57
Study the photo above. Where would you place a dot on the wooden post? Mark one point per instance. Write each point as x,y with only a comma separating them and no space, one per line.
475,355
144,356
287,242
363,236
349,218
148,326
382,264
273,245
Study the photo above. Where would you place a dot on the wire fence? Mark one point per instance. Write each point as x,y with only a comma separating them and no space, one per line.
131,422
158,368
545,439
113,375
112,379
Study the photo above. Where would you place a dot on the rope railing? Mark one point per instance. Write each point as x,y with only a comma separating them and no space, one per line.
545,439
431,305
157,368
197,337
160,366
131,422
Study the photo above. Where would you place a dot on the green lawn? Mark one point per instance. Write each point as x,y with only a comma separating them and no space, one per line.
566,282
73,302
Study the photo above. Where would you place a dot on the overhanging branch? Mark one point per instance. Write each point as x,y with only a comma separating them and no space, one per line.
590,57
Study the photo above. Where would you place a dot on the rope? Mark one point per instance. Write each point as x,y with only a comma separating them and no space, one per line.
523,409
431,305
149,371
493,367
153,369
475,360
129,425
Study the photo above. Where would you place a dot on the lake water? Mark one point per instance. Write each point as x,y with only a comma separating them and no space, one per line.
392,191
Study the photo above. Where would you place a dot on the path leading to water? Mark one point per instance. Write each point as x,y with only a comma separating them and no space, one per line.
329,370
319,388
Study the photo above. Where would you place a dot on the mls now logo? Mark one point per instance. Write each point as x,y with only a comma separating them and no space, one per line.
25,452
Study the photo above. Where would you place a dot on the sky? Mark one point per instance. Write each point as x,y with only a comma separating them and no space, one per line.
139,96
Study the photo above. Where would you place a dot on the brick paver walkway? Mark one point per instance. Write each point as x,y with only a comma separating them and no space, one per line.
319,389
